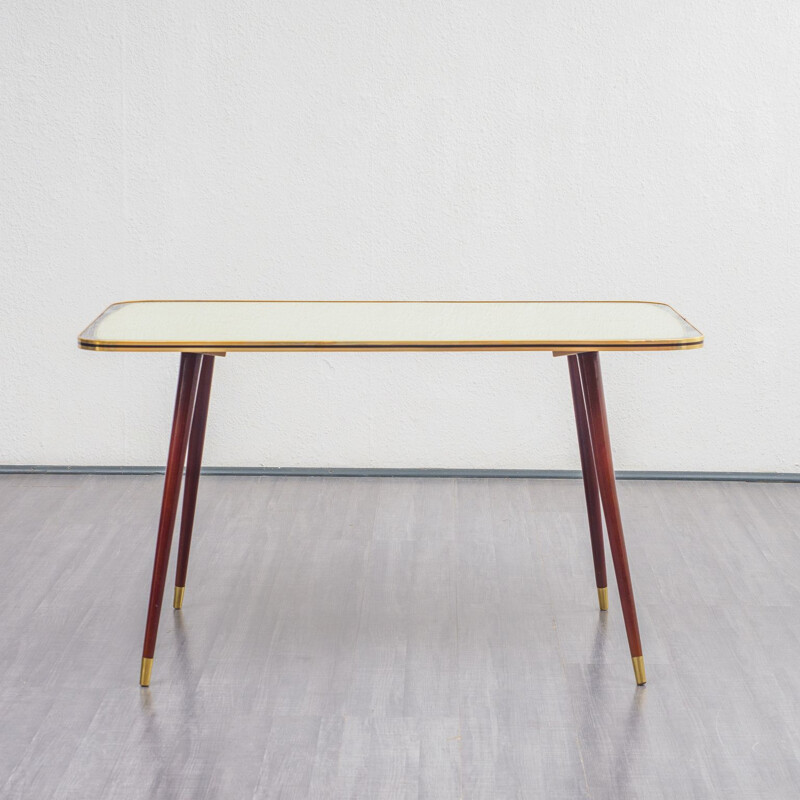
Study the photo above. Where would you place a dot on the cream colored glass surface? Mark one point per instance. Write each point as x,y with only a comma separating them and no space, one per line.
245,325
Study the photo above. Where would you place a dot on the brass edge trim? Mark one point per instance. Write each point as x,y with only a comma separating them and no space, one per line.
243,347
387,349
464,302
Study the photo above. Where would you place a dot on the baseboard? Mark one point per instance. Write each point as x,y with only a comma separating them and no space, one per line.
392,472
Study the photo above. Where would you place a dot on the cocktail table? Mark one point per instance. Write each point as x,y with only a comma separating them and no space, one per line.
203,330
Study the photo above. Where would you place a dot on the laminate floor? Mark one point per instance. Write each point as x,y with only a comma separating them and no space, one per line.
398,638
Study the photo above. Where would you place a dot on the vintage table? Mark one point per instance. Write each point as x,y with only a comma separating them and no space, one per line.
203,330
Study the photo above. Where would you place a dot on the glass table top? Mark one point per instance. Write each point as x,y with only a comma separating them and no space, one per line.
245,325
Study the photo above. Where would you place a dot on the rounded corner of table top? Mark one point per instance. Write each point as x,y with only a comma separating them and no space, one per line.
86,342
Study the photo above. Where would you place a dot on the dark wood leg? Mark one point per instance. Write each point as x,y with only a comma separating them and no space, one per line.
194,459
184,401
590,488
601,446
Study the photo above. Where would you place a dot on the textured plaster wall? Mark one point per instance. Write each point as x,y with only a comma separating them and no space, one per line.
470,150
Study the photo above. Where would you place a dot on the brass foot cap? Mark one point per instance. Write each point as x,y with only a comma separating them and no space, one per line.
638,670
602,596
147,669
177,598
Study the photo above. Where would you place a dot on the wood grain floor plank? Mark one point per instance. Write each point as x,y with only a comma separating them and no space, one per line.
425,638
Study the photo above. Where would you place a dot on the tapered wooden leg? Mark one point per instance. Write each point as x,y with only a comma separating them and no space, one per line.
194,459
184,401
601,446
590,488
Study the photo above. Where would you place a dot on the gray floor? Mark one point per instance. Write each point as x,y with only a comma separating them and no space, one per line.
398,638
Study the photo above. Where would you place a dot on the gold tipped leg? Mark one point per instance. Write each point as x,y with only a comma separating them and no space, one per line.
602,596
638,670
147,669
177,598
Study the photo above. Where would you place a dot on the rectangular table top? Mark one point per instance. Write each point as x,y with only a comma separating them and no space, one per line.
255,325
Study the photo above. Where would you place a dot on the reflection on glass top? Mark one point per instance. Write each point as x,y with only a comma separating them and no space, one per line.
263,325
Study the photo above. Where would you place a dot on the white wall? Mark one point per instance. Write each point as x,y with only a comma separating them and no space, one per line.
472,150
